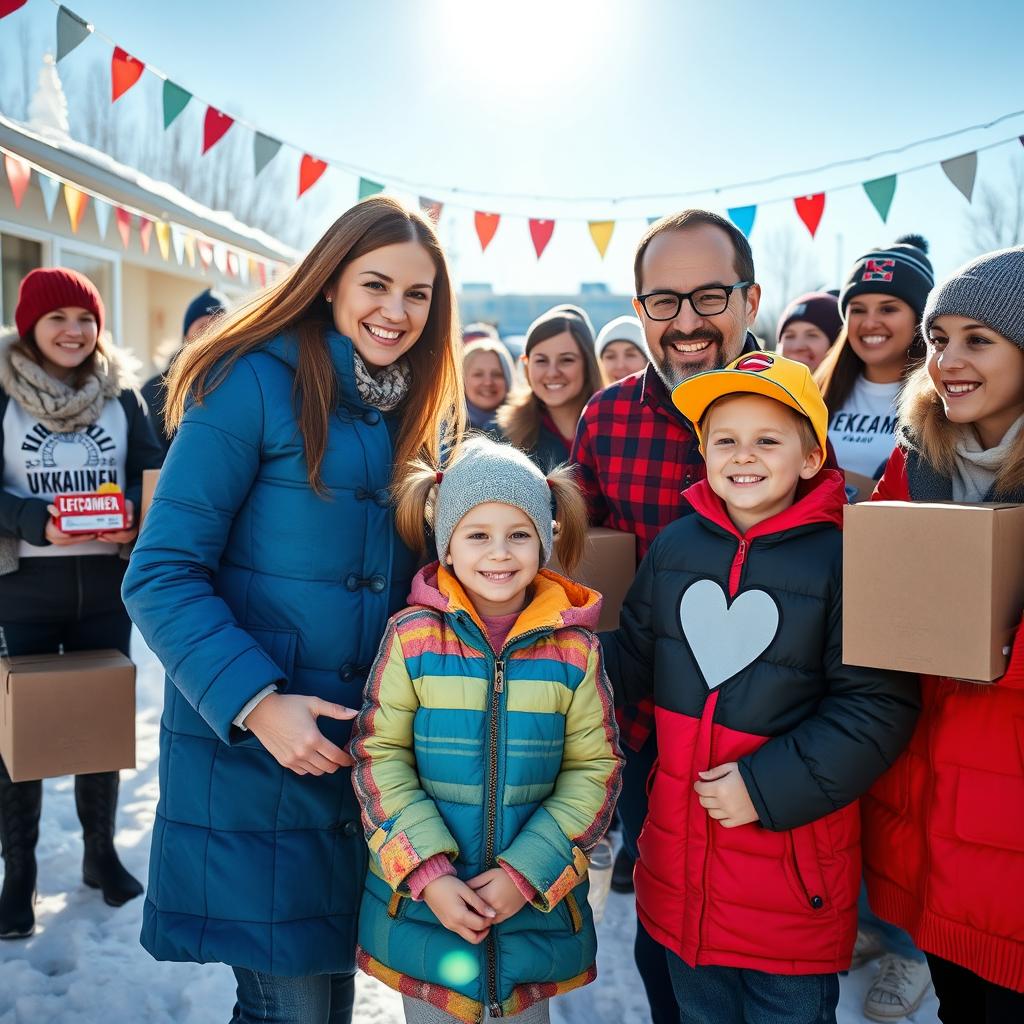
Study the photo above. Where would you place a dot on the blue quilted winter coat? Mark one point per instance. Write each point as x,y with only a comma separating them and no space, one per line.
244,577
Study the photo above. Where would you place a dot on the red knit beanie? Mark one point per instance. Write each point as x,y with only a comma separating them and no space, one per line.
50,288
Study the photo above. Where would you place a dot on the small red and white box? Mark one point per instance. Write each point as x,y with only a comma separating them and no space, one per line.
98,512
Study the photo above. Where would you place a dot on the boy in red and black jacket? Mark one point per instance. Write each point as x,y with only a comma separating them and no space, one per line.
749,863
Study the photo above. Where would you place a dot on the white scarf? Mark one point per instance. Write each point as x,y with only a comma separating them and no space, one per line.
976,468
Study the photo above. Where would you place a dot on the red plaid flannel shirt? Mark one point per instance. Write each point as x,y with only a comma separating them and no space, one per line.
636,455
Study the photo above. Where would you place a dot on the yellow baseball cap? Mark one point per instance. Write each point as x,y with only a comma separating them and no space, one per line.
756,373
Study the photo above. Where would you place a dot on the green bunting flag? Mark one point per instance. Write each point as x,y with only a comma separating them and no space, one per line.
175,101
369,188
880,191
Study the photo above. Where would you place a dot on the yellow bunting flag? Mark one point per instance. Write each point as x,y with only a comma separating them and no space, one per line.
163,238
190,249
76,203
601,233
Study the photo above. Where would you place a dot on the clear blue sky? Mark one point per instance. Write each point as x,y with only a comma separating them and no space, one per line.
569,98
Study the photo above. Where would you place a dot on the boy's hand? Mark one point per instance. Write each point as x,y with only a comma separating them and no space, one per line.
500,891
723,794
459,908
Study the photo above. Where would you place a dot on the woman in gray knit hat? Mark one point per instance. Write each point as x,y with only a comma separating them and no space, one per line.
943,829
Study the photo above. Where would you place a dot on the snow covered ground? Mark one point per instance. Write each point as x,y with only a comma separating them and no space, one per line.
85,966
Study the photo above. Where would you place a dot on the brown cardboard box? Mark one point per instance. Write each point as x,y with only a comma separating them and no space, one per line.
67,714
932,588
608,566
149,479
863,486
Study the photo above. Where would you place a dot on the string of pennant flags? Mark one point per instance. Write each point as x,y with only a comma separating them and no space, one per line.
126,70
186,245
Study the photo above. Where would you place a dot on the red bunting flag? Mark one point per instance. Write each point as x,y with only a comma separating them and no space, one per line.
541,231
10,6
310,172
233,264
205,251
125,71
486,226
810,209
19,174
145,232
124,225
215,127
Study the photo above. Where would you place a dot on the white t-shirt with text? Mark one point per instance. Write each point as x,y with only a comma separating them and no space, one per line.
863,431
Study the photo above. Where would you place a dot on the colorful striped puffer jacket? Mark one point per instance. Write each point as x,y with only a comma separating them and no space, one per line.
490,758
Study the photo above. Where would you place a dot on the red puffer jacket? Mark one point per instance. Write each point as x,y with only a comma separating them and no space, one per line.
944,828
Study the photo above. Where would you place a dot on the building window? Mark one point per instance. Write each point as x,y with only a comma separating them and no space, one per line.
17,257
100,271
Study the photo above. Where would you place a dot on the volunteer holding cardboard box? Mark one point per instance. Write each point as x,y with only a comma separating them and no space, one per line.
72,426
944,828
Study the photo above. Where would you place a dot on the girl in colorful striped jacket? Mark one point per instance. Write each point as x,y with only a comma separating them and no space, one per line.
486,754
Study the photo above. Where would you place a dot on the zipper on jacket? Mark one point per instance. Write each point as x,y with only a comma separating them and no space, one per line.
492,824
736,570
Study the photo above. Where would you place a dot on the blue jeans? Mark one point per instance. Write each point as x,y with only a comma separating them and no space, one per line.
733,995
894,939
313,999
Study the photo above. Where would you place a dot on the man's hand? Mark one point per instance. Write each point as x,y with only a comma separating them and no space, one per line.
500,891
723,794
286,725
459,908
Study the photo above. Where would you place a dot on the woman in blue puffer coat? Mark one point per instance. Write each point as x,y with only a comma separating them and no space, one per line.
263,580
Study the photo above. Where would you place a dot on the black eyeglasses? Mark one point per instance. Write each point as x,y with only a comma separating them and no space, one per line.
709,301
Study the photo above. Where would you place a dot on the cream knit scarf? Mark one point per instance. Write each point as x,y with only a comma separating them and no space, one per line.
976,468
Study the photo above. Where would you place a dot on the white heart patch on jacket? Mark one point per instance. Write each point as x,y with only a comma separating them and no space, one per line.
726,638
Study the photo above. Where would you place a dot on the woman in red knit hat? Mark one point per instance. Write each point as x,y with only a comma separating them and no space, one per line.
71,420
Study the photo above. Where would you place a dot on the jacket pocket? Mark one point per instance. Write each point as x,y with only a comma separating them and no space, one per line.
396,905
807,868
281,646
575,914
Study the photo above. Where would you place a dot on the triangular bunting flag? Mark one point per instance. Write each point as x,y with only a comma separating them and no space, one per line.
125,71
178,242
243,268
541,231
124,225
72,31
264,149
743,217
205,251
215,127
102,211
369,188
232,262
163,238
880,191
10,6
432,208
652,220
220,257
261,273
145,232
810,209
19,173
76,202
486,225
961,171
50,187
175,101
190,248
310,172
601,233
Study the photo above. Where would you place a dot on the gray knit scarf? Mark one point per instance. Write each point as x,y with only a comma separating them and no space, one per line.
386,388
976,468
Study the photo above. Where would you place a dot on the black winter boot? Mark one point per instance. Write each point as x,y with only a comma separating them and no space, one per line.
20,804
96,801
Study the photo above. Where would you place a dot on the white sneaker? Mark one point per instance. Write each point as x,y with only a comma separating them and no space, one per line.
868,947
898,989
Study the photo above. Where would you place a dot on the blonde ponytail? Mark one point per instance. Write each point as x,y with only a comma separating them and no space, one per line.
571,517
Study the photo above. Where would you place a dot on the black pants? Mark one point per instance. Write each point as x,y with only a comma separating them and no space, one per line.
964,998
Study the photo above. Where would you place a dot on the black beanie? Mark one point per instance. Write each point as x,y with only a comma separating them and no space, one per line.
902,270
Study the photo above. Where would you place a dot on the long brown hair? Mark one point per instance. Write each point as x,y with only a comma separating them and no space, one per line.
433,415
520,417
924,427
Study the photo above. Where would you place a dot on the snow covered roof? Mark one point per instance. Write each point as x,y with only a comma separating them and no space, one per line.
96,171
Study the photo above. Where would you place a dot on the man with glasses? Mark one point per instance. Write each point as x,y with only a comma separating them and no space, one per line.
697,298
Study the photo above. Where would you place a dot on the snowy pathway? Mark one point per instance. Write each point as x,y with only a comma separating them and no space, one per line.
85,966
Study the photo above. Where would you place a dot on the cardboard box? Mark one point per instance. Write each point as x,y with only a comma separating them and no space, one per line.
149,479
859,488
932,588
67,714
608,566
91,513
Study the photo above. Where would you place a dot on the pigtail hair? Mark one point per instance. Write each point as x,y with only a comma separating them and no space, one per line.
571,517
415,498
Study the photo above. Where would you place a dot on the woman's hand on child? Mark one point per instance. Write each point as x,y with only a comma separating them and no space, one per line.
500,891
459,908
723,794
286,725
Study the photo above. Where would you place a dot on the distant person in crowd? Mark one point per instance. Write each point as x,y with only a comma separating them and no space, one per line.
808,328
696,298
620,348
488,374
71,421
943,829
480,331
749,862
201,311
264,581
879,346
480,825
562,373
